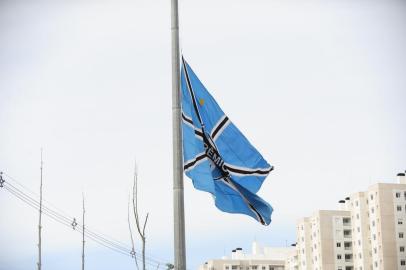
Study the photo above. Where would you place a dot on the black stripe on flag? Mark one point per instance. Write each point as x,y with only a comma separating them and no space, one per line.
198,133
248,171
219,126
187,119
194,161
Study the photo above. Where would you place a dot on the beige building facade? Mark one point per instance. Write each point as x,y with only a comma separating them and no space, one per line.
367,233
261,258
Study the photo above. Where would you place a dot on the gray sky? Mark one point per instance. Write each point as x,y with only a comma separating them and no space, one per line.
319,87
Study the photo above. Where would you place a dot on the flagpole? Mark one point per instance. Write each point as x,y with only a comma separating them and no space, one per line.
178,205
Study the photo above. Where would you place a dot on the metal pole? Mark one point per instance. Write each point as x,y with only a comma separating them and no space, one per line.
83,232
178,204
40,221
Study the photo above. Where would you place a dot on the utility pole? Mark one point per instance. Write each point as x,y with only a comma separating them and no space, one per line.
178,198
83,232
40,219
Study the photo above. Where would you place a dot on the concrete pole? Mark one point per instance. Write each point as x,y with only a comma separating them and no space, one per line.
39,263
83,232
178,204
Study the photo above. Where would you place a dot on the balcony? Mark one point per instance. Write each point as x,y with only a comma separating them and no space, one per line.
347,221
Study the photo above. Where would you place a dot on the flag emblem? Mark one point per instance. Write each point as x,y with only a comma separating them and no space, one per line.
201,101
217,156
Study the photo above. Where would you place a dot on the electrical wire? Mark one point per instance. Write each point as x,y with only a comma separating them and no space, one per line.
67,221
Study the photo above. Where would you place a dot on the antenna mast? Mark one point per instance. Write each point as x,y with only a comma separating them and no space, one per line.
40,219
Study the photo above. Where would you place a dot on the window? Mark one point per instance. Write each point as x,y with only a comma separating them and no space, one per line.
399,208
400,235
402,262
397,195
372,197
254,267
372,210
373,223
400,221
271,268
234,267
357,216
402,249
356,203
338,256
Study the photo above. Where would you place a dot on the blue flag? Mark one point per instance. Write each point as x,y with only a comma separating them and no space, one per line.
217,156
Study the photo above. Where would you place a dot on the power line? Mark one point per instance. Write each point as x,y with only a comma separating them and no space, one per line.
94,237
70,222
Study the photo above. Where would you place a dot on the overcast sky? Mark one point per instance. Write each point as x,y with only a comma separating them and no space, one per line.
319,87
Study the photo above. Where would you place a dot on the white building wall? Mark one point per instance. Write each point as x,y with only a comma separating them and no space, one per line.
373,237
303,244
361,231
267,258
399,205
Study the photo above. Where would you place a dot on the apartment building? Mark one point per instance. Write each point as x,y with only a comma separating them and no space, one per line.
292,260
324,241
379,216
367,233
261,258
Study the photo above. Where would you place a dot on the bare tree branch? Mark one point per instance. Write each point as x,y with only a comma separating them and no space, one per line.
133,253
136,215
145,224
